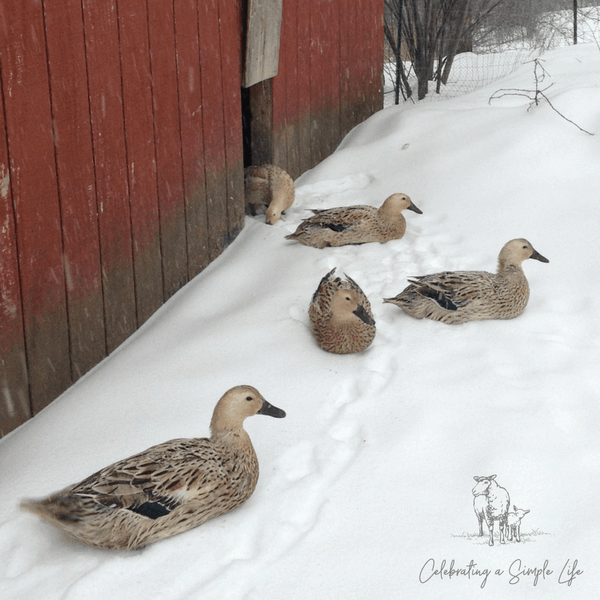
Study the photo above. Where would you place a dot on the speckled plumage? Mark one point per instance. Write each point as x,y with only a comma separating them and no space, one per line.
459,296
270,186
355,224
166,489
340,316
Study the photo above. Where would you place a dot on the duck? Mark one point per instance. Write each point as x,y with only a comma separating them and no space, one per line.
456,297
340,316
167,489
360,224
270,186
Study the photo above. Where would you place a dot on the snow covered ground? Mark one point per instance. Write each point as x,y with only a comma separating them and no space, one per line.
365,487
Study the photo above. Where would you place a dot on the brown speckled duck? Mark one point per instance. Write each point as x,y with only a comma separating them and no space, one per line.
460,296
167,489
355,224
340,316
270,186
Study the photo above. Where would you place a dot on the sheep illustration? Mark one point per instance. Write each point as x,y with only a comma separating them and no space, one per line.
514,523
491,503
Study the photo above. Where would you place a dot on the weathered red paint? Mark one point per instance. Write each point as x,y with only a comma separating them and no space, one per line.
77,190
161,25
214,130
192,137
230,31
15,407
304,83
288,67
101,31
121,159
35,197
212,83
11,317
329,77
141,156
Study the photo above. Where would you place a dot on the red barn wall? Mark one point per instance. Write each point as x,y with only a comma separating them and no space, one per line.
121,159
329,79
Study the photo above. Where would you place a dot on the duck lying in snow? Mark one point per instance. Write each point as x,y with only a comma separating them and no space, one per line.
355,224
461,296
270,186
167,489
340,316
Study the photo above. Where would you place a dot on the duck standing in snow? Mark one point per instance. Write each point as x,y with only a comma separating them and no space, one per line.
355,224
167,489
340,316
270,186
460,296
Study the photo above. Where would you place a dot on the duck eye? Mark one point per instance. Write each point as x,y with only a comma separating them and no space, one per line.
249,398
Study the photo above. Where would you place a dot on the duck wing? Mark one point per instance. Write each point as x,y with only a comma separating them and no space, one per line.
453,290
152,483
340,219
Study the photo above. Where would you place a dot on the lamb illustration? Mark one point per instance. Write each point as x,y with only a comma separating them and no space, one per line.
491,503
514,523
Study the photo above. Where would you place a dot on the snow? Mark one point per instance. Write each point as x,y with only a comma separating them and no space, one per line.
365,487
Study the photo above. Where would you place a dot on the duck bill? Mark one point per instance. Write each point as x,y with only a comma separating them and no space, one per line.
539,257
271,411
415,209
363,315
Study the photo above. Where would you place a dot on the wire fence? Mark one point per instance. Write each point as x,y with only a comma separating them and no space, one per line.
500,54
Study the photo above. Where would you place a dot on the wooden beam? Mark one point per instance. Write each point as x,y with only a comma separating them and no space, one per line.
262,40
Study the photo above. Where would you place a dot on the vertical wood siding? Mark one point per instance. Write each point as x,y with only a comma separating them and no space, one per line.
121,175
121,159
329,79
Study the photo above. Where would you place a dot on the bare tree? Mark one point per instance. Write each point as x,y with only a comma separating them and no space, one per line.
432,33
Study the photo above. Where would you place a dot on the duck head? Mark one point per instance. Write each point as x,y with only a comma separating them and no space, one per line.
346,306
518,250
396,203
237,404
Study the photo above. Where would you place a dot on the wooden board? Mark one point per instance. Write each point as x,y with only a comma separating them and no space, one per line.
331,67
377,49
213,125
141,157
261,109
304,85
192,137
14,389
289,62
262,40
168,146
346,35
277,115
110,163
77,187
230,19
316,83
29,130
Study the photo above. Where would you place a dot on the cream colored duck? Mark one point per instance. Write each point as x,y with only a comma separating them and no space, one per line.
461,296
340,316
167,489
355,224
270,186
